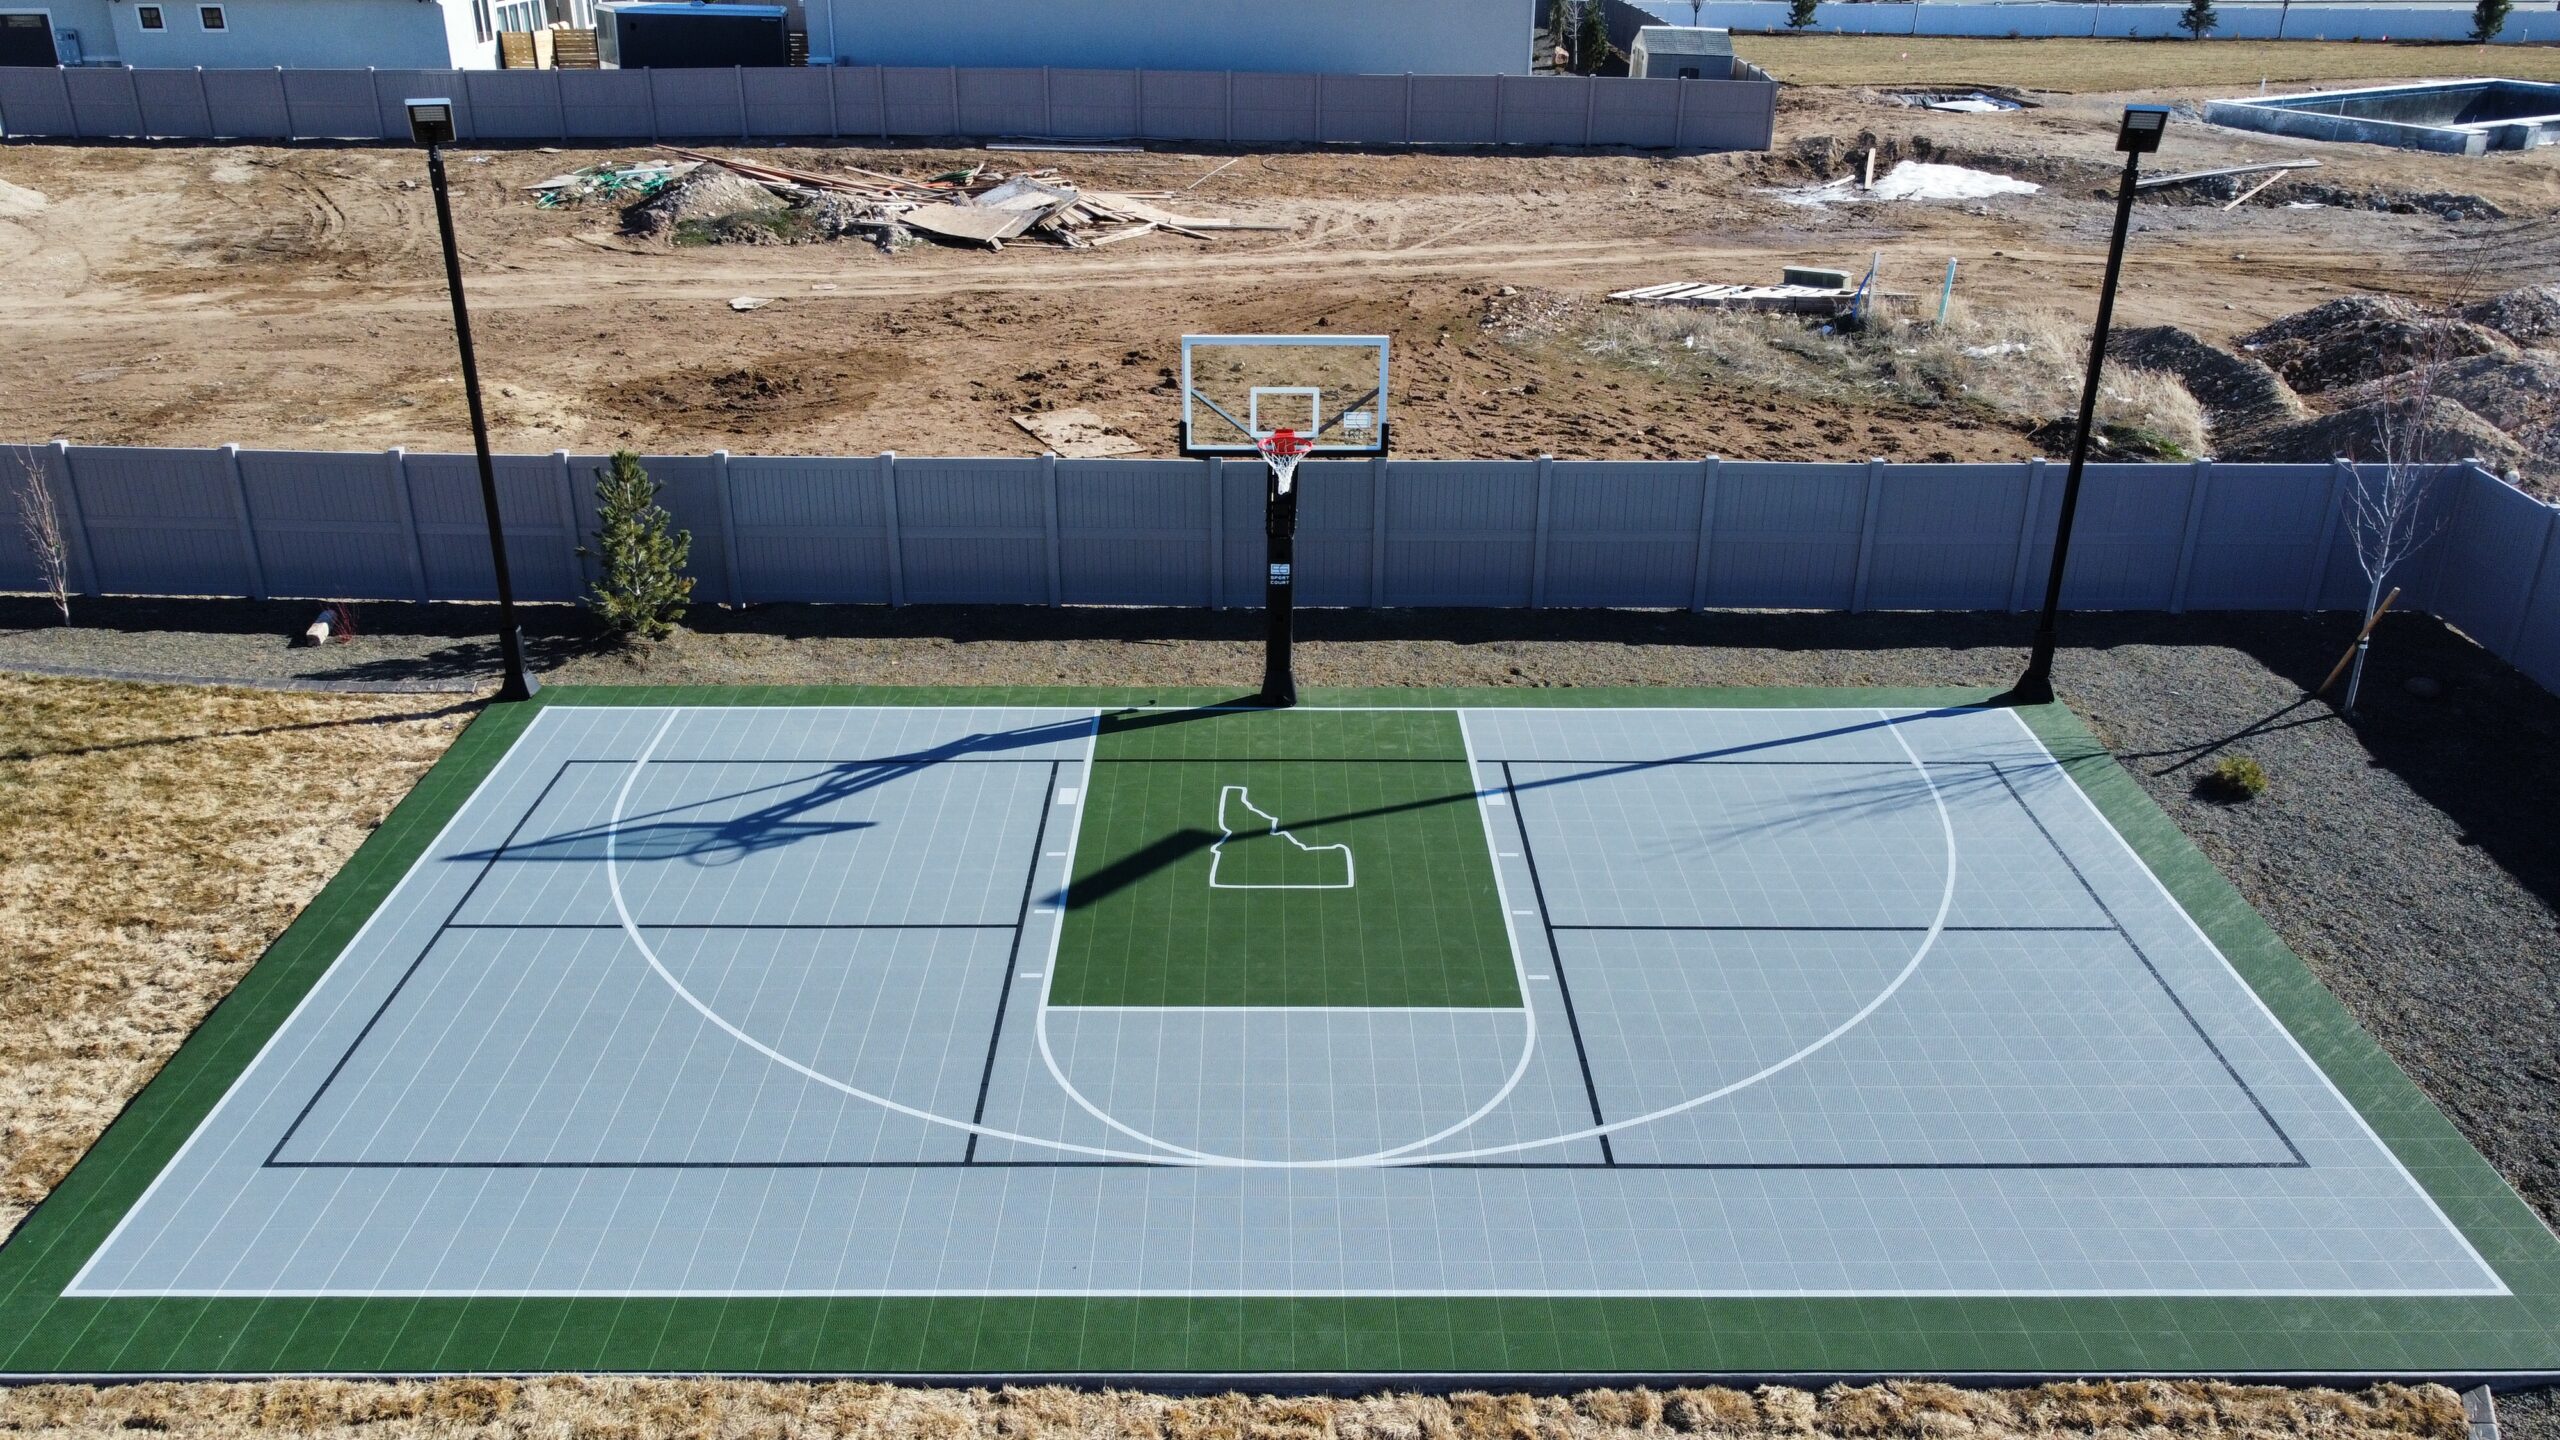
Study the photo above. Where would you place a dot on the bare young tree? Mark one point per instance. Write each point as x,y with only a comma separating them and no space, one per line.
40,521
2386,501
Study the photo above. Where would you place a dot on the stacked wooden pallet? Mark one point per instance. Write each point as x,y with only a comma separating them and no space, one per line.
1788,299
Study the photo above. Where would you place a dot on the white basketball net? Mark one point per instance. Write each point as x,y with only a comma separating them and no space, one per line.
1282,450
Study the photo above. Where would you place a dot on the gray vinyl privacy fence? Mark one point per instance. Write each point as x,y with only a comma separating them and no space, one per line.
889,529
1231,107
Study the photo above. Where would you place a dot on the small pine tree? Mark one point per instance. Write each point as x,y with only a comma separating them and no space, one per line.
1800,14
1592,40
2199,18
642,591
2488,17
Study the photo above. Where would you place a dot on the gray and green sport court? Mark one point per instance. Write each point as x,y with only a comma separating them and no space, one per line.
1403,1034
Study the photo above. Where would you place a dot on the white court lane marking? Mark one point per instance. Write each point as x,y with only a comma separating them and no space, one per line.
1528,1037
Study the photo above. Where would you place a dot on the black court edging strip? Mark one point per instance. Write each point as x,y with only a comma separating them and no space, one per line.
1594,1165
1555,958
2300,1161
1862,929
1013,956
420,959
739,925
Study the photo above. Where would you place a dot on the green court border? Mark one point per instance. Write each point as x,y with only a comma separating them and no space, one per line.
2516,1337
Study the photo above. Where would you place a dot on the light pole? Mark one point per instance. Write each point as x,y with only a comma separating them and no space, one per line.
2138,136
431,125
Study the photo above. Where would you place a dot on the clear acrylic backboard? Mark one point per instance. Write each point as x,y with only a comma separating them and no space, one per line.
1238,390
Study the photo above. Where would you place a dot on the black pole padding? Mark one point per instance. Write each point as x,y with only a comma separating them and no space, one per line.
1279,594
519,683
2035,687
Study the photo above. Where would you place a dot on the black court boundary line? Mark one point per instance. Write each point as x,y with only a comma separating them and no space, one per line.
1555,958
424,950
1851,929
1614,1165
1013,956
2114,926
1048,801
2157,978
742,925
1048,806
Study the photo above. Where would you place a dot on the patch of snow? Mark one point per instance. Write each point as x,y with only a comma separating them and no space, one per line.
1912,180
1918,180
17,202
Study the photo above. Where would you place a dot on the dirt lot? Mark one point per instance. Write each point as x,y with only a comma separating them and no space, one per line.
291,297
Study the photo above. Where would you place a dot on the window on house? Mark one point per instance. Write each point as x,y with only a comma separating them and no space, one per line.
151,17
481,21
210,16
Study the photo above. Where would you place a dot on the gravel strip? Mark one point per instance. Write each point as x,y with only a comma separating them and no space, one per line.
2407,856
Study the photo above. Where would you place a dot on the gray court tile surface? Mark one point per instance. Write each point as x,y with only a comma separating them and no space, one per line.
752,1001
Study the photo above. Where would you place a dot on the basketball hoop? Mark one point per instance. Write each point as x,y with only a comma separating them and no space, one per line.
1282,450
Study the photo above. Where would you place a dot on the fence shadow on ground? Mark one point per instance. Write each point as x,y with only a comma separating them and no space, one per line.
2486,752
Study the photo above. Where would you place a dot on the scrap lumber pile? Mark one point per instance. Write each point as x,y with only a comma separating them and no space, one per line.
974,207
1791,298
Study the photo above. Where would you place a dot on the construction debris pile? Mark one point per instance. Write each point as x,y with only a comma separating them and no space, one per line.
716,200
616,184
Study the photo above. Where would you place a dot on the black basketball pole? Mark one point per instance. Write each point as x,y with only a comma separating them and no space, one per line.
1279,592
519,683
2139,135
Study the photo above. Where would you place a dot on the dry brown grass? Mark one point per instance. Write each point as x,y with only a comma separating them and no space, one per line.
605,1409
158,838
2018,365
2094,66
